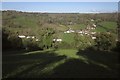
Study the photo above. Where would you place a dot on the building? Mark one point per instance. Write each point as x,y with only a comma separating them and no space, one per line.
69,31
80,32
58,40
93,32
93,37
37,40
21,36
92,20
94,25
30,37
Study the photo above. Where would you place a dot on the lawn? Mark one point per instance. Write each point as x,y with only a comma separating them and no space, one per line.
60,63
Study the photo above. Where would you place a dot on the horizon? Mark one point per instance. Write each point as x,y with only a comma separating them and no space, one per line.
62,7
61,12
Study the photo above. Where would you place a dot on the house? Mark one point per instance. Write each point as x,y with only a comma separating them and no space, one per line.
86,33
80,32
92,20
92,28
37,40
94,25
33,37
93,37
69,31
88,27
58,40
28,37
93,32
21,36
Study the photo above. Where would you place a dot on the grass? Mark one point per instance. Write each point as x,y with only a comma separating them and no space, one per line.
109,25
70,53
78,26
69,38
106,26
60,63
25,21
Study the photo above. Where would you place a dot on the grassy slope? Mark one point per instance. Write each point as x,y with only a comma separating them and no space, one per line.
60,63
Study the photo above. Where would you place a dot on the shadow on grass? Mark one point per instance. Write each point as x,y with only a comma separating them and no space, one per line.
104,57
21,65
47,64
74,68
110,59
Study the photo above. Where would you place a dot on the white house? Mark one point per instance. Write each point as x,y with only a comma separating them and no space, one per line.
33,37
80,32
93,37
93,32
92,19
94,25
37,40
92,28
58,40
86,33
28,37
67,32
21,36
71,30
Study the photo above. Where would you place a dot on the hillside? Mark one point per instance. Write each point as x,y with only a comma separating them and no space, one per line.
23,21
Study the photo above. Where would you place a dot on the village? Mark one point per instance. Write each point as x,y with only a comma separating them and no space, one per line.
82,32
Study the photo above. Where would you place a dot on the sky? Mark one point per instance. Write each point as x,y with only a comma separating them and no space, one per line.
60,0
61,7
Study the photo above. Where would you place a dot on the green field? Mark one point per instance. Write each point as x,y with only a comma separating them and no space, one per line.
60,63
107,26
78,26
69,38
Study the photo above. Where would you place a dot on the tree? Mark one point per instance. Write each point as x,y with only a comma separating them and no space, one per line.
10,40
45,38
83,42
105,41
